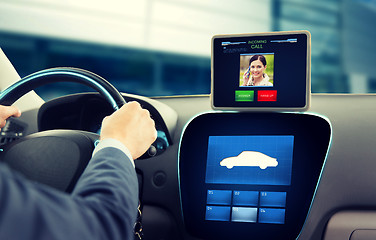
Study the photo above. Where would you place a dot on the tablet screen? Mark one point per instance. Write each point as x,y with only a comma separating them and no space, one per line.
253,162
269,71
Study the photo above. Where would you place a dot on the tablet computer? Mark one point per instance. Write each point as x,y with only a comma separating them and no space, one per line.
261,71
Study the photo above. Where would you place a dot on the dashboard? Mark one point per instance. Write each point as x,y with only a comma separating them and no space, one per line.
341,199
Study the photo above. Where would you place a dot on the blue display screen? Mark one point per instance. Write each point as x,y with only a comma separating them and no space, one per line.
252,160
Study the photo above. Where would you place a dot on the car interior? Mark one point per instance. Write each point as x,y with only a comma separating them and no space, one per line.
268,164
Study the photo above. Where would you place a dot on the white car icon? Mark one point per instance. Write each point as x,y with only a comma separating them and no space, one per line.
250,159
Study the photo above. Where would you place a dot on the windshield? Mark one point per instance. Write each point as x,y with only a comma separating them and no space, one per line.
162,47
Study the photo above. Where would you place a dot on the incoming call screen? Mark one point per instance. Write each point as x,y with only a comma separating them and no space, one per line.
260,71
240,172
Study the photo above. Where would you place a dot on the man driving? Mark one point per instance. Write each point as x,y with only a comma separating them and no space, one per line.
103,204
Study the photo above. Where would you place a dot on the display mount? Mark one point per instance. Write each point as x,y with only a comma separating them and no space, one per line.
261,71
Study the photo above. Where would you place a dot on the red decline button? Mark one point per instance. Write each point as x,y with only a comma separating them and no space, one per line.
267,95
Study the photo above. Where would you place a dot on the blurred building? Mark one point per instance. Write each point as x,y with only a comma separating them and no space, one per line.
323,20
162,47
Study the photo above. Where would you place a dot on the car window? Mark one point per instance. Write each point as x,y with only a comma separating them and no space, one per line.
162,47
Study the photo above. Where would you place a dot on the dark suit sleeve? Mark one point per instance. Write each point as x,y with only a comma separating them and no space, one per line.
103,204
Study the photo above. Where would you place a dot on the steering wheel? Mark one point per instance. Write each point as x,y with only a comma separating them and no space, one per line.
55,157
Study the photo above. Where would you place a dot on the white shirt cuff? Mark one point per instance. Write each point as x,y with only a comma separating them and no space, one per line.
109,142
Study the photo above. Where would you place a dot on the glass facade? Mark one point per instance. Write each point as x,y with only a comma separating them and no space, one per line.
136,71
323,20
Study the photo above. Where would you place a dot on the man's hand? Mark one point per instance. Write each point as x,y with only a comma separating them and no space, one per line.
132,126
7,112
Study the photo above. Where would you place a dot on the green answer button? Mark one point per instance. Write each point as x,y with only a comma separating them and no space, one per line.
244,96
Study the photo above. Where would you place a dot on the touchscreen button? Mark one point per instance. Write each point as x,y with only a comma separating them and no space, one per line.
273,199
272,215
267,95
219,197
244,96
245,198
244,214
217,213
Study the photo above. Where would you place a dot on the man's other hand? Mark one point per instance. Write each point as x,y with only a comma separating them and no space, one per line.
7,112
